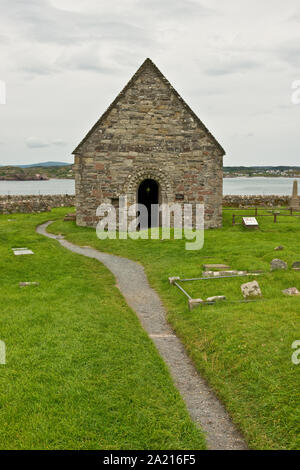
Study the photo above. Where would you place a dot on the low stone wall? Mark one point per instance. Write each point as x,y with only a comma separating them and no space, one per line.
255,200
32,203
44,203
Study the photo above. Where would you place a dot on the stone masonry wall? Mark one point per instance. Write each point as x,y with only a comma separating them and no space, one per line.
32,203
149,133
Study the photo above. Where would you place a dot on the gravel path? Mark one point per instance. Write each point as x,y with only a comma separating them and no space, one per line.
204,408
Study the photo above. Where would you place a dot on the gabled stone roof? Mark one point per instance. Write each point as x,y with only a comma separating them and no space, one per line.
148,63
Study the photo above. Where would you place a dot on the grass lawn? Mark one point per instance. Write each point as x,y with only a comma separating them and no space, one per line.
244,350
81,373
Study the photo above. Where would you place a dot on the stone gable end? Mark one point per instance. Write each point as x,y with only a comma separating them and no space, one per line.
148,133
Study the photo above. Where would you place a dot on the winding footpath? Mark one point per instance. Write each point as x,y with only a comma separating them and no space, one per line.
203,406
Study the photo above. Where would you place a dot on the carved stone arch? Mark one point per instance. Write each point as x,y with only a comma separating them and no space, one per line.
157,174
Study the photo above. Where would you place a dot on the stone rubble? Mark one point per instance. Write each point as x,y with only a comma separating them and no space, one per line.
291,291
251,289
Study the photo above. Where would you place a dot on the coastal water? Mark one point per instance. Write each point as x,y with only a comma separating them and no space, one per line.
243,186
53,186
259,185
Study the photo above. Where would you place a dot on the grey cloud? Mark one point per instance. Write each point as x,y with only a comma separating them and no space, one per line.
232,66
289,52
40,21
80,40
34,142
59,143
176,8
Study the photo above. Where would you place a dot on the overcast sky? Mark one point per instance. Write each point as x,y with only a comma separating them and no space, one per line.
234,63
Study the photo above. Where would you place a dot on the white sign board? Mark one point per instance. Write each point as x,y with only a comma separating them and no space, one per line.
250,222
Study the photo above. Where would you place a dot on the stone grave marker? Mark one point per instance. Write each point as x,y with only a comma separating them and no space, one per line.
296,266
251,289
22,251
294,204
278,264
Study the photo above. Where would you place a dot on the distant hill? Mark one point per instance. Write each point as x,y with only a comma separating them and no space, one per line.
35,172
44,164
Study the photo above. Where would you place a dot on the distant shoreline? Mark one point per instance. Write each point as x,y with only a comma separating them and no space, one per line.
226,176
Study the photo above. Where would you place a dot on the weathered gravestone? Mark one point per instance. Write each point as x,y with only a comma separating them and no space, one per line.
294,204
296,266
277,264
251,289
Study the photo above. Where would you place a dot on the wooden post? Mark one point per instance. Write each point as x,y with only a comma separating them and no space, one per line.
233,219
275,218
255,211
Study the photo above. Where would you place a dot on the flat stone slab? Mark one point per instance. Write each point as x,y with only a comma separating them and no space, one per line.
22,251
25,284
296,266
291,291
277,264
279,248
223,273
215,298
219,267
251,289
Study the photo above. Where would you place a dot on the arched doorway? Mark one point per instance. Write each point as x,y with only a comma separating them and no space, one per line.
148,194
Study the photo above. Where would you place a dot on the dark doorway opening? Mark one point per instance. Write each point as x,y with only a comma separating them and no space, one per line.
148,194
